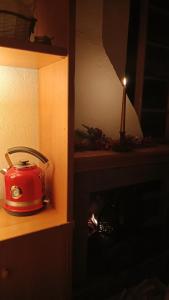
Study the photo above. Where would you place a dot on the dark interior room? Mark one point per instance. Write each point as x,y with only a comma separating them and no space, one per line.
84,156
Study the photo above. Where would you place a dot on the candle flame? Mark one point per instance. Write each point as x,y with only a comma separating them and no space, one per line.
124,81
94,220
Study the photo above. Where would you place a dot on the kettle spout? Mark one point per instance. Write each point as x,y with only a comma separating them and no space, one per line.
3,171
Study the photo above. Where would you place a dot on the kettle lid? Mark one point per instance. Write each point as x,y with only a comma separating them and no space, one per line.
24,164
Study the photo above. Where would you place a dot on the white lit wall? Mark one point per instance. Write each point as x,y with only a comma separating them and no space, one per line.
19,119
98,90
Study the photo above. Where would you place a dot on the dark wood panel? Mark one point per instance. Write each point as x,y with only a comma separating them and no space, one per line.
94,160
38,266
37,47
155,94
103,171
149,74
153,123
53,20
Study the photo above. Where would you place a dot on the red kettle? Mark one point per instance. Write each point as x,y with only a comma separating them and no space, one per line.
24,184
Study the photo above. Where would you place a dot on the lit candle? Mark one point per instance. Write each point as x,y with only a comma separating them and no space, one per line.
123,110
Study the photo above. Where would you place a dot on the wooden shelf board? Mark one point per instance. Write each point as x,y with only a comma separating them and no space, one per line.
30,46
100,160
26,59
13,226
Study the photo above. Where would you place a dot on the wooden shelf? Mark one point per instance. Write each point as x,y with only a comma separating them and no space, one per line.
31,46
13,226
27,59
27,54
95,160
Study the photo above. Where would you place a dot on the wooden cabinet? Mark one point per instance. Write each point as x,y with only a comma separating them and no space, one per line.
35,251
103,171
37,266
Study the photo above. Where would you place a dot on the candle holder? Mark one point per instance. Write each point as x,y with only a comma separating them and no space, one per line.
122,145
122,137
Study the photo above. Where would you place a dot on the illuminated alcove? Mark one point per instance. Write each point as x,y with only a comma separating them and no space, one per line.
33,105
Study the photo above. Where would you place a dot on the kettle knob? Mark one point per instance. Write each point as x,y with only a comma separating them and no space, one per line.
23,162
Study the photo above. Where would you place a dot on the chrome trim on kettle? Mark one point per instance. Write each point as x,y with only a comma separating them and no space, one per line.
23,204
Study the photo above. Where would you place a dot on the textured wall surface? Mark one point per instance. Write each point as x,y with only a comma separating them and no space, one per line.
98,90
19,120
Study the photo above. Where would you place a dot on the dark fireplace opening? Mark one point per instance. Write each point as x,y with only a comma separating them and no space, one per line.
126,234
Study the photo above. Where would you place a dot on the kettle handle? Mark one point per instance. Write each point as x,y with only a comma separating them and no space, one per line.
31,151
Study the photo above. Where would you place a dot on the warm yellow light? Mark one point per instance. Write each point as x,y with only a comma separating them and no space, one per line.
124,81
94,220
26,59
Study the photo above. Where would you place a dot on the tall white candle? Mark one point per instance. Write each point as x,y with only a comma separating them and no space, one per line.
123,111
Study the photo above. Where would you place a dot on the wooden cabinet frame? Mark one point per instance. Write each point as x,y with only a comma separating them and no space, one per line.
52,227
